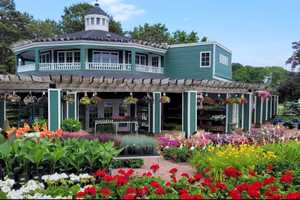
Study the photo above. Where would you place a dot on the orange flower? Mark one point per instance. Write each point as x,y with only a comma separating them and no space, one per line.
58,133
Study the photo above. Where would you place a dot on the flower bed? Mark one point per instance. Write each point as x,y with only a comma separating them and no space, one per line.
235,185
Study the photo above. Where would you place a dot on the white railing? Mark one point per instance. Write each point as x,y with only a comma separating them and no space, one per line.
149,69
26,68
59,66
109,66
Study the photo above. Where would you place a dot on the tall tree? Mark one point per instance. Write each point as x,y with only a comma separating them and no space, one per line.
73,19
157,33
290,89
294,60
180,37
44,28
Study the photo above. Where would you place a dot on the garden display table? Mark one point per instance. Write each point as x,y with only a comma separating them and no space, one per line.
116,124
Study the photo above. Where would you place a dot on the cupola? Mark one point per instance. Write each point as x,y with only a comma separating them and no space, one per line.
96,19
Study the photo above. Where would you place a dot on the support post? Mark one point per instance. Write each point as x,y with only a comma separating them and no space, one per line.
2,113
189,106
248,112
259,110
241,108
82,58
54,109
229,116
37,58
133,53
72,106
156,113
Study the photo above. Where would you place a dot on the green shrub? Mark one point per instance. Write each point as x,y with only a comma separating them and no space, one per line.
130,163
71,125
177,154
40,122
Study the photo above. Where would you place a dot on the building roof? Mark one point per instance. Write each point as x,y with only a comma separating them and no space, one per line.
96,10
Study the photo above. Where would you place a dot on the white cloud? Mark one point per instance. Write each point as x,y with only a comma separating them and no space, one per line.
120,10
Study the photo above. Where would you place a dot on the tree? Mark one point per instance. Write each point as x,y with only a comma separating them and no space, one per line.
73,19
294,60
156,33
290,89
180,37
44,29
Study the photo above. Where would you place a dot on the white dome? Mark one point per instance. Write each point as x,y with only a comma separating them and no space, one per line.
96,19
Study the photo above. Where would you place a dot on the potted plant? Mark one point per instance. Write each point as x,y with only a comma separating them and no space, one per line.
130,100
69,98
13,98
85,100
29,99
165,99
95,100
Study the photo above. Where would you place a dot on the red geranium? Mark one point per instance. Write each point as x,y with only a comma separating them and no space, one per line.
148,174
173,170
198,176
105,191
108,178
90,190
160,191
287,177
235,194
252,172
185,175
121,180
293,195
270,168
168,184
128,196
206,182
100,173
131,190
221,186
154,167
269,180
232,172
142,191
183,191
155,184
79,195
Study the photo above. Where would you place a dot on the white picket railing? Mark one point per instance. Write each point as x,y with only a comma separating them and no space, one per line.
59,66
149,69
26,68
108,66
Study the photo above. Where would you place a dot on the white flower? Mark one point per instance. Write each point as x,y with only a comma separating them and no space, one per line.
192,148
74,178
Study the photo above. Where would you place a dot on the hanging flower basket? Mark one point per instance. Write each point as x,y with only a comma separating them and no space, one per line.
42,100
2,97
13,98
201,100
130,100
85,100
29,99
263,93
146,99
243,100
165,99
96,100
69,98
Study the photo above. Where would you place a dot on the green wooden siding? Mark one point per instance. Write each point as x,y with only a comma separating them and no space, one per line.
259,110
189,113
221,70
156,127
229,116
184,62
54,114
72,114
248,112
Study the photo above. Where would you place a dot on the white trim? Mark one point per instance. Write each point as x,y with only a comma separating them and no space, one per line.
196,110
243,115
23,47
75,103
153,113
267,109
188,114
255,109
65,55
221,79
210,59
250,111
214,60
227,113
101,51
200,44
277,102
182,114
271,108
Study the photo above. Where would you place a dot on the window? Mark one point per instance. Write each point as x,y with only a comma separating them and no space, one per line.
68,56
103,21
155,61
140,59
105,57
92,20
123,109
128,58
93,115
88,21
223,59
45,57
98,21
205,59
108,110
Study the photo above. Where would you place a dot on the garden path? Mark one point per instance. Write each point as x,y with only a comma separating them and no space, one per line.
164,167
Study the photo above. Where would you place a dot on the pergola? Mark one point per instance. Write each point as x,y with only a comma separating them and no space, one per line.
72,85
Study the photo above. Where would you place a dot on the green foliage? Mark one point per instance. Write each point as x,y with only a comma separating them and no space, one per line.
40,122
62,190
2,195
290,89
48,156
182,154
71,125
131,163
180,37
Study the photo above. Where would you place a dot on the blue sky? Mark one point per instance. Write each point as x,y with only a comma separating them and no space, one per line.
259,32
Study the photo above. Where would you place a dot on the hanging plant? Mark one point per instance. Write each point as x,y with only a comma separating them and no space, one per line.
236,100
29,99
264,94
96,100
243,100
42,100
201,100
85,100
165,99
13,98
2,97
69,98
130,100
209,101
146,99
